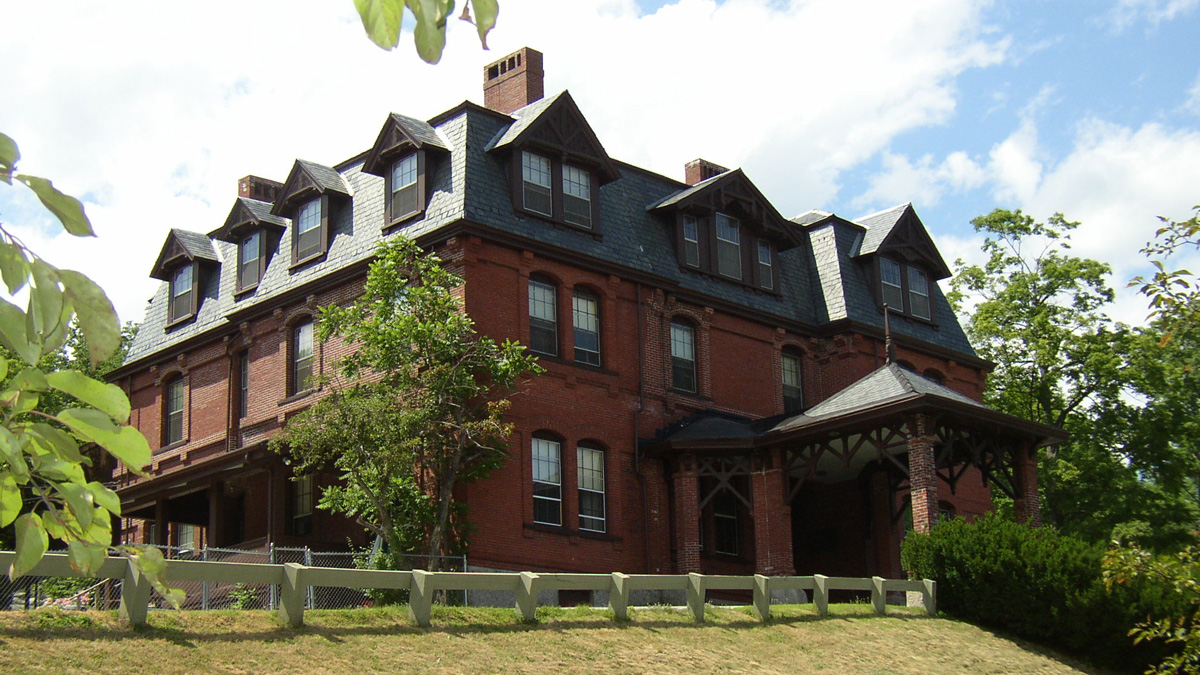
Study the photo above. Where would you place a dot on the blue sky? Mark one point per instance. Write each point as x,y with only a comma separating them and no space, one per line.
151,111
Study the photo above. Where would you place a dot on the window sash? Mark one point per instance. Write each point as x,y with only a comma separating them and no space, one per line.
793,393
765,269
404,187
175,394
536,179
729,247
249,260
725,523
683,357
586,314
302,356
182,288
691,241
543,318
891,279
590,462
547,481
918,293
243,383
577,196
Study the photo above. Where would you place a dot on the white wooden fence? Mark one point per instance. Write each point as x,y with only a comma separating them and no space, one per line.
294,581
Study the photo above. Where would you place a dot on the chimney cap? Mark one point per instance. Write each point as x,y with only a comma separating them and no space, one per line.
699,170
514,81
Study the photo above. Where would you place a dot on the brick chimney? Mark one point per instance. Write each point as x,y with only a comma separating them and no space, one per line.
699,170
262,189
514,81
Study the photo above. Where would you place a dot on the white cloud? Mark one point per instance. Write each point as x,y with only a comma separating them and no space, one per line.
152,110
1192,103
1128,12
923,182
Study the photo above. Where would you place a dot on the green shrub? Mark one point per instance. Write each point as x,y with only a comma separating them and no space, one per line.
1036,584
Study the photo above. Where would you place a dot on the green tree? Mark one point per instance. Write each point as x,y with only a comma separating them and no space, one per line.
382,20
40,452
1040,315
1174,294
1175,622
424,409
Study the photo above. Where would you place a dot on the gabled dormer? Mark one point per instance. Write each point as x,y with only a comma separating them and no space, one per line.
310,195
903,261
556,163
185,262
402,156
256,232
725,227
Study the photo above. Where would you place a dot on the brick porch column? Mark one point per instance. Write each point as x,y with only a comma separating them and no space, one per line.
922,474
687,516
1028,504
772,516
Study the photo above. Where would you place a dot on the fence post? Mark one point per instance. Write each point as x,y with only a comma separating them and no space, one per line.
821,593
695,595
878,597
420,598
308,562
762,597
204,587
527,594
272,596
929,596
618,596
135,595
291,596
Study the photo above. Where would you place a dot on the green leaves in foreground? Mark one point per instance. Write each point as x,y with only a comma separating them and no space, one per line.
382,20
45,492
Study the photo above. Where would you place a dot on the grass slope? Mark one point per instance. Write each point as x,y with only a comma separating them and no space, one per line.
474,640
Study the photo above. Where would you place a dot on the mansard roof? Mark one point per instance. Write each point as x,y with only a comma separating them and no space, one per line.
899,232
556,124
308,179
819,281
247,214
399,134
732,190
182,245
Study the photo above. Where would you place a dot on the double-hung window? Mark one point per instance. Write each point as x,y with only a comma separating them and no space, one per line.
543,318
729,246
173,413
766,275
891,284
183,293
577,196
793,393
683,356
308,241
536,179
918,293
302,505
691,241
547,481
302,357
725,523
586,313
250,254
591,489
405,200
243,383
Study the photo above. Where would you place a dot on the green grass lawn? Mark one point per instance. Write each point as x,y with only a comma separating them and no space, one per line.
478,640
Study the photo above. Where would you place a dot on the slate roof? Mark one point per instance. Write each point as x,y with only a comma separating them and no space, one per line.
819,281
683,194
810,217
421,130
262,212
879,226
196,244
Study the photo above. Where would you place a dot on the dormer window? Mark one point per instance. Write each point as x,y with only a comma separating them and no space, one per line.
183,294
404,189
729,247
766,275
250,261
691,241
308,239
577,196
535,174
905,289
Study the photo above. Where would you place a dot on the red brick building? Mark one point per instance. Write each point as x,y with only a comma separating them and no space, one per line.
718,394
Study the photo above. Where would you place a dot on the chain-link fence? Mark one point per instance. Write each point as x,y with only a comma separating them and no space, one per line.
31,592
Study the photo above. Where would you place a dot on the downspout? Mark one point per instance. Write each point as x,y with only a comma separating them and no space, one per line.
637,451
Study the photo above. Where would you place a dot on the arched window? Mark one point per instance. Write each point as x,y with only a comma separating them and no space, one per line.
173,411
934,375
591,483
586,318
793,393
301,356
547,480
683,355
543,316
